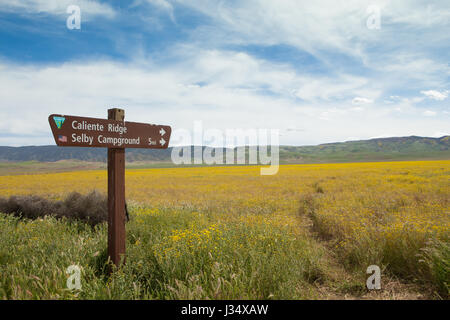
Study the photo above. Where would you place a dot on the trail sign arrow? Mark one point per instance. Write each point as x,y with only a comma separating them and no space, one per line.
162,132
162,141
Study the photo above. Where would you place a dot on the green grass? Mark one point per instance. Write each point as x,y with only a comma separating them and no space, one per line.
174,254
436,258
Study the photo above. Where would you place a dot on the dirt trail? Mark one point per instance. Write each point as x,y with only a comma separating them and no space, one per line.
341,284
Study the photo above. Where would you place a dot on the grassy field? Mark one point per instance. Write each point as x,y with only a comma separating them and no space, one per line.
36,167
33,167
309,232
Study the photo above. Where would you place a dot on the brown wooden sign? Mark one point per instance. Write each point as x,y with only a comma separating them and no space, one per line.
116,135
72,131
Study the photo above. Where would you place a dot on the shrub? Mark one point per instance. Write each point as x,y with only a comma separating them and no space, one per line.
91,208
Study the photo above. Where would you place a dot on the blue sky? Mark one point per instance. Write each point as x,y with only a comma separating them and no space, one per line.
317,70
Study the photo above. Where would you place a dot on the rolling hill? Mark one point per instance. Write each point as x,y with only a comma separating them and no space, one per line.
382,149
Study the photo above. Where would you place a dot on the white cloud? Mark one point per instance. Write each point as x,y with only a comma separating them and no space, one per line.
400,55
429,113
313,26
435,95
430,14
407,68
361,100
164,5
440,134
341,87
303,24
89,8
293,129
381,136
221,88
235,89
225,89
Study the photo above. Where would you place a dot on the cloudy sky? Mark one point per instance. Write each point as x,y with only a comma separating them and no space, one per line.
320,71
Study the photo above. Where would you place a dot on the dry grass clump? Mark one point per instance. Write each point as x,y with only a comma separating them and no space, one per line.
91,208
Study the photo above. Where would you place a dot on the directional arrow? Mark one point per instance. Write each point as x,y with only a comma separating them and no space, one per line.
162,132
162,141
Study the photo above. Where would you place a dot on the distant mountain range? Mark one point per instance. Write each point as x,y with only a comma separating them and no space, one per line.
382,149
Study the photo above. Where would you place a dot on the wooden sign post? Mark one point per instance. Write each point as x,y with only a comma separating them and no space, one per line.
116,135
116,196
